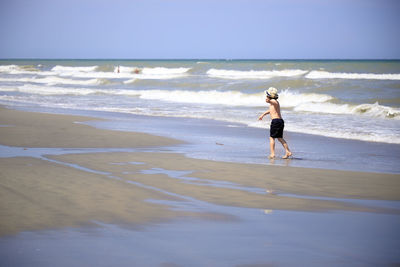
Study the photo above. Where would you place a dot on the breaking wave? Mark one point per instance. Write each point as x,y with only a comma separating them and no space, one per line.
252,74
100,72
63,69
299,102
124,72
53,80
18,69
339,75
371,110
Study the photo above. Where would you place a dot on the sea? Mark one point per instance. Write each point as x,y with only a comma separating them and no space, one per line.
355,103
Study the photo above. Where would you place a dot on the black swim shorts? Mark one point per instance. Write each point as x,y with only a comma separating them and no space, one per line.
276,130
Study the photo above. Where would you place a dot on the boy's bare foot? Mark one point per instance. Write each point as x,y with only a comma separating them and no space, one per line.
288,155
271,156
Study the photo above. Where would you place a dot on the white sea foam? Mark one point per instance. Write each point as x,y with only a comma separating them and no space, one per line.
97,74
162,73
86,72
231,98
355,133
53,80
287,98
9,68
290,99
16,69
151,71
340,75
63,69
124,72
93,72
8,89
213,97
53,90
329,128
371,110
124,69
299,102
252,74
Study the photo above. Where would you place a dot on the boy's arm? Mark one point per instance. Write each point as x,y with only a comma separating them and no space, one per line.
262,115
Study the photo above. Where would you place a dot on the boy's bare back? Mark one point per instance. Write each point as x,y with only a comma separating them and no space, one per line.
274,109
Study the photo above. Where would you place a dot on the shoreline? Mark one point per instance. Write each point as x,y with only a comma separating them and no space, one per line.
227,142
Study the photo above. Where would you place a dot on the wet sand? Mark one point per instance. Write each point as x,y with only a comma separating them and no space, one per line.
30,129
133,189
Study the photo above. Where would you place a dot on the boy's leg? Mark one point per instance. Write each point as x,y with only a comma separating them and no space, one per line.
272,147
286,147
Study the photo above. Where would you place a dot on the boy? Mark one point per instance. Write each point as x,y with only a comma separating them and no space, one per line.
277,123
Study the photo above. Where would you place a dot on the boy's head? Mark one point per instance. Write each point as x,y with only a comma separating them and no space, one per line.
271,93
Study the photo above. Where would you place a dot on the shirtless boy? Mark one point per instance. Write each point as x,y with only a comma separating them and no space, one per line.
277,123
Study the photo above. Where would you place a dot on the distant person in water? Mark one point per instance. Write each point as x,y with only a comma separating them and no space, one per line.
277,123
118,69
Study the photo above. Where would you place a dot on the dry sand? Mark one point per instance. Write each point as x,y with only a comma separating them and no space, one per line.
39,194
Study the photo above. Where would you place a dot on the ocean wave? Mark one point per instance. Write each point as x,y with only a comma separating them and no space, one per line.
100,72
298,102
63,69
252,74
372,110
130,81
340,75
53,90
287,98
213,97
124,69
178,96
18,69
154,73
87,72
53,80
162,73
125,72
353,134
290,99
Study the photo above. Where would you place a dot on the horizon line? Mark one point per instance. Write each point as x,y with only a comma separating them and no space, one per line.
215,59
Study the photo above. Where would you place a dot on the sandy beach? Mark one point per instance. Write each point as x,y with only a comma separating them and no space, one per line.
136,189
39,194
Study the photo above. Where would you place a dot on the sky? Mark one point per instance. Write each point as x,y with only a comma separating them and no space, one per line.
200,29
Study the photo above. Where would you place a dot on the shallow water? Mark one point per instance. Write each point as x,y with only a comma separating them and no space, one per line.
234,142
214,140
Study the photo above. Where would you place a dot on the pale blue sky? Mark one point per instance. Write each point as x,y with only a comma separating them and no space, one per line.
222,29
